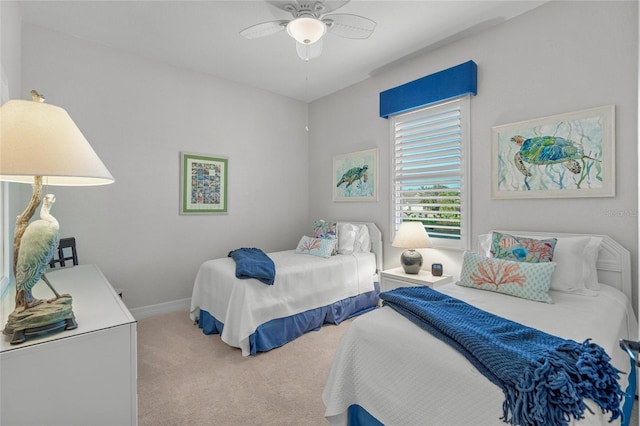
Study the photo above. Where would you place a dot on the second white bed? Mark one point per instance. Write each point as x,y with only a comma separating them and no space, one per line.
390,370
402,375
299,286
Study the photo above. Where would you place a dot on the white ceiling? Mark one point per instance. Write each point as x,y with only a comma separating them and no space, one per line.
204,36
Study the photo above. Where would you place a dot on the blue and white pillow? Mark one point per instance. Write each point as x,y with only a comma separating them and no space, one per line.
521,279
322,247
522,249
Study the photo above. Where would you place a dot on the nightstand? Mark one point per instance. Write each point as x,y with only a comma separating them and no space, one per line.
396,277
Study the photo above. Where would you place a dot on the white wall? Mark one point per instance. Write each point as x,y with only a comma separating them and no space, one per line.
138,115
561,57
10,40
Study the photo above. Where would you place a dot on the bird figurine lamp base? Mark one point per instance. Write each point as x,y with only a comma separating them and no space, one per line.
34,244
51,315
411,261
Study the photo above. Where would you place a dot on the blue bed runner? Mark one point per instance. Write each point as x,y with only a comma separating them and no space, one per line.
254,263
545,379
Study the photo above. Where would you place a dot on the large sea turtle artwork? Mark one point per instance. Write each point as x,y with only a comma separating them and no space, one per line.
544,150
565,155
354,174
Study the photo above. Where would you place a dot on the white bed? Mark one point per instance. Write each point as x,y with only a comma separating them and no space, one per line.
308,291
389,368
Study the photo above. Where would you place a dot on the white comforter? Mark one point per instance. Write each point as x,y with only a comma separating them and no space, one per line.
302,282
402,375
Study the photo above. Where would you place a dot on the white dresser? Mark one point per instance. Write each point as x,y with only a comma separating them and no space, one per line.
86,376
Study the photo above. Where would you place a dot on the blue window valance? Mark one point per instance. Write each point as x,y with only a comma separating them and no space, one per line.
437,87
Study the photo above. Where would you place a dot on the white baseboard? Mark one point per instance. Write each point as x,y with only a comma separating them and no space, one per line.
161,308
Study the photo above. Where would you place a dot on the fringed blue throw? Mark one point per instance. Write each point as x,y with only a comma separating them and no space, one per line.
545,379
254,263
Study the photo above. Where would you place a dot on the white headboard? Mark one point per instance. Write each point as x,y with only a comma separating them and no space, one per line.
613,263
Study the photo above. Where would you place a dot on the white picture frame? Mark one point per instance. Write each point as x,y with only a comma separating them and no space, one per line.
560,156
355,176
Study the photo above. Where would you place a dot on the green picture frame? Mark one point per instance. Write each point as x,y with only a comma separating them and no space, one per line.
203,184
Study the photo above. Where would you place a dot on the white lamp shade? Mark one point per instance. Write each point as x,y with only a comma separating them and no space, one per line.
411,235
38,139
306,29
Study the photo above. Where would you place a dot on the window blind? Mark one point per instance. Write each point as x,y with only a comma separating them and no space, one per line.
429,171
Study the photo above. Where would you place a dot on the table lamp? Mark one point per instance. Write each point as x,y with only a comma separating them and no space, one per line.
411,236
40,144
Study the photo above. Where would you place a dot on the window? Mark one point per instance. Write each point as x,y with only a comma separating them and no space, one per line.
4,245
5,268
431,171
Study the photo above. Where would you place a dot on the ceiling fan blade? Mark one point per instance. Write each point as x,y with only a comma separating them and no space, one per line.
286,5
315,6
309,51
349,26
331,5
264,29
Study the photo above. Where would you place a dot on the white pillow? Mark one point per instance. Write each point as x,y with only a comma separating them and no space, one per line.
572,266
591,252
575,259
346,238
484,244
363,240
353,238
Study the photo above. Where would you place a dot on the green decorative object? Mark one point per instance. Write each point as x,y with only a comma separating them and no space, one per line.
203,184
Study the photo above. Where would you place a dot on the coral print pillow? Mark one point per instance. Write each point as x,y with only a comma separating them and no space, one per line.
521,249
322,247
324,229
520,279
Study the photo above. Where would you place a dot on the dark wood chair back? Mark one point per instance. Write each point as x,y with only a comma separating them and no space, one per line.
62,258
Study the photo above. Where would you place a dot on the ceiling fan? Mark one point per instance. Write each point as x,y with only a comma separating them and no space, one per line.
310,23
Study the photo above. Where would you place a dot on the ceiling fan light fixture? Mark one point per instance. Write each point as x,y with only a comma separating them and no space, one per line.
306,29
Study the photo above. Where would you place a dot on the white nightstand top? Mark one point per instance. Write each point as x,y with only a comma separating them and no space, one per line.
422,278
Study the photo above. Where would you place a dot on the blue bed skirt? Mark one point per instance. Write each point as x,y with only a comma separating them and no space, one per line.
279,331
358,416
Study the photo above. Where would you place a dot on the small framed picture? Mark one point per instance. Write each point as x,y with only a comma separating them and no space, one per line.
203,184
355,176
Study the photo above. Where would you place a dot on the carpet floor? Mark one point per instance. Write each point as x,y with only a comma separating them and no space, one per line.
188,378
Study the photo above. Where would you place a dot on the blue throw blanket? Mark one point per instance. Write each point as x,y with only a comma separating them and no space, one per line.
254,263
545,379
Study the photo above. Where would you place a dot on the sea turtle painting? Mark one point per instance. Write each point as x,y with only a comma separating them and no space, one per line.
353,175
545,150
